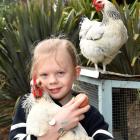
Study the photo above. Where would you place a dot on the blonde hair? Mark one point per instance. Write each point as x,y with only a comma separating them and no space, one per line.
48,46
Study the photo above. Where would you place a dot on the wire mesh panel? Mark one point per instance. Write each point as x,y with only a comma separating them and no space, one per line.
117,97
126,114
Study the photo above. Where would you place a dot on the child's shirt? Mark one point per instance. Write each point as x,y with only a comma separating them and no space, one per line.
93,123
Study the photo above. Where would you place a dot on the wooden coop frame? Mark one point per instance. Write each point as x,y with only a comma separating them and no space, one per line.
105,83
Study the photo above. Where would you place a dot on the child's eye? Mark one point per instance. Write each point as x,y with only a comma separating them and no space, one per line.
60,73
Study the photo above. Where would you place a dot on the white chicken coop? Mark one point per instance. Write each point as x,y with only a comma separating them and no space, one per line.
117,97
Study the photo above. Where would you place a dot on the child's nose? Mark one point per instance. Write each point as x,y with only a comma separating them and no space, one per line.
52,79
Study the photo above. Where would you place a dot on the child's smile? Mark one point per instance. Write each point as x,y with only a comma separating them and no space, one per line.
55,90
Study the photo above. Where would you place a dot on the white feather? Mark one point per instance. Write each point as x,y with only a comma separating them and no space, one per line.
91,29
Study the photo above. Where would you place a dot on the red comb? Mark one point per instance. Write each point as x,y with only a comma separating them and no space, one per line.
36,89
93,1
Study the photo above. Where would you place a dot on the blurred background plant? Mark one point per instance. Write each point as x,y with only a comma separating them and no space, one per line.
23,23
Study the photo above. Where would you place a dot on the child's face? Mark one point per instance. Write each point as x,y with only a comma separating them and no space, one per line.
57,73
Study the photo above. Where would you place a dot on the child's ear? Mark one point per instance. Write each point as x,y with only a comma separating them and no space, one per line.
77,70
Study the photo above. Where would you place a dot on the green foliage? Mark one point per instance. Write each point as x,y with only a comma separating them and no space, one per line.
81,7
4,10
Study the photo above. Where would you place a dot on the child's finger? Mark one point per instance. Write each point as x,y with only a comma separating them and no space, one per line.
78,102
81,117
83,110
70,102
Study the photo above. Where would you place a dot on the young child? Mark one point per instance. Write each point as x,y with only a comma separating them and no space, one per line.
55,63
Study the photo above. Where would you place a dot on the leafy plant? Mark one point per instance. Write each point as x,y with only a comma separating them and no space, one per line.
4,10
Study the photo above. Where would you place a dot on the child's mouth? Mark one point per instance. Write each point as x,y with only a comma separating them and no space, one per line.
55,90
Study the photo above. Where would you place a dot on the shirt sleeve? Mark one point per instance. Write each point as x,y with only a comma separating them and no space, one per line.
95,125
18,127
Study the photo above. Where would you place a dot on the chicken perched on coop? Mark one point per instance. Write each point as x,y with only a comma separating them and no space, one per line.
41,114
100,41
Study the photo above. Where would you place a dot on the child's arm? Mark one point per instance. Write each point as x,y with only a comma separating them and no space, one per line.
18,127
95,125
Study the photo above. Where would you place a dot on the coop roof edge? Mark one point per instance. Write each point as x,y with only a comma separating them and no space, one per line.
90,72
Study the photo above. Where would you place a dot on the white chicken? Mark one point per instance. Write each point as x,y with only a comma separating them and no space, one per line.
100,41
41,113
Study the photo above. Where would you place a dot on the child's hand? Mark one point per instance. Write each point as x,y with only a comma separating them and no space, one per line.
70,114
85,101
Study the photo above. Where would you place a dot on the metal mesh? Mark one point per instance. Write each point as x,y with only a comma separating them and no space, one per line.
126,114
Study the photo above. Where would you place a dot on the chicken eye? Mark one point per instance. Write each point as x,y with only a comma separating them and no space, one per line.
99,2
44,75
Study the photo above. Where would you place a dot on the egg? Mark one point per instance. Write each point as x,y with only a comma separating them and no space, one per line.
86,100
